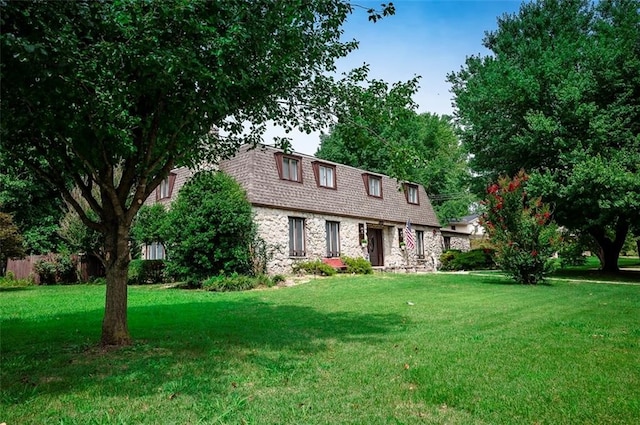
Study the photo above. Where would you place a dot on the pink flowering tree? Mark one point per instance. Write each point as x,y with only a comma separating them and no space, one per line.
522,230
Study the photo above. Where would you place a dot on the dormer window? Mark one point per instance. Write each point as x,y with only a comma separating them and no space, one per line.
411,193
373,185
165,189
289,167
325,174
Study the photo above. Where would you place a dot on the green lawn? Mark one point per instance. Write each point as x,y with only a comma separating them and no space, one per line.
383,349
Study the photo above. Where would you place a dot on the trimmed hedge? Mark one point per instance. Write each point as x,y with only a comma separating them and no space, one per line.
476,259
313,267
357,265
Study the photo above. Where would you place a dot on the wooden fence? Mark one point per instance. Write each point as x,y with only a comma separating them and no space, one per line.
88,266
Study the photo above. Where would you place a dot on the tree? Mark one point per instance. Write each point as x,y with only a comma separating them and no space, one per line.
560,97
521,229
379,131
10,241
209,228
89,88
150,225
36,208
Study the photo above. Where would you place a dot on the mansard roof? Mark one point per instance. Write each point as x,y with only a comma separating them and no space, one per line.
256,170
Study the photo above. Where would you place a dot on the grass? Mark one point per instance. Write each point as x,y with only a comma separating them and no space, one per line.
630,271
383,349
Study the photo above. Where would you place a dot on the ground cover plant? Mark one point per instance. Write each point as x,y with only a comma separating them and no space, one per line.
374,349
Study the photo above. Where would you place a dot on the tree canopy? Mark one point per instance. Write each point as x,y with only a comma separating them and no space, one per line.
559,96
379,130
89,88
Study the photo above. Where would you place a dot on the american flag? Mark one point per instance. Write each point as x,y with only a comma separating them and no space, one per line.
408,236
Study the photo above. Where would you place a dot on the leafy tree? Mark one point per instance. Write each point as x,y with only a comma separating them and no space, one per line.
89,88
150,225
210,228
521,229
378,130
11,242
560,97
35,207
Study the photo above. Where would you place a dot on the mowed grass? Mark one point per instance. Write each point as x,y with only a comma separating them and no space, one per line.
383,349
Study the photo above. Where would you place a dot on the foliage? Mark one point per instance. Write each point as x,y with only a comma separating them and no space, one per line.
78,236
150,225
380,132
571,250
475,259
10,281
210,228
260,253
235,282
278,278
145,272
357,265
89,88
521,229
11,242
36,208
56,269
558,97
316,267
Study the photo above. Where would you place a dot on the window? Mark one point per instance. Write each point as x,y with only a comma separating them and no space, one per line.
154,251
333,239
373,184
447,243
325,174
296,237
411,192
166,187
420,243
289,167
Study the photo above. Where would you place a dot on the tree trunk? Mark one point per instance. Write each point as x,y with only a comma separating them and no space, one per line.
117,258
611,249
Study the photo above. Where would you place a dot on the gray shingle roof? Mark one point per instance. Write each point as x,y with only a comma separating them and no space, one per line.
257,172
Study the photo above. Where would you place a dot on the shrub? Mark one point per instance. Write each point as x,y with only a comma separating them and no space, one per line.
313,267
56,268
447,258
357,265
145,272
234,282
521,229
475,259
278,279
210,228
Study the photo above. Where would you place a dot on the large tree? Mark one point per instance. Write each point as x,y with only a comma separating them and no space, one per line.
379,130
559,96
91,87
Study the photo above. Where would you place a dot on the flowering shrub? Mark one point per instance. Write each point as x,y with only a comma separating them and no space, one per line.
522,230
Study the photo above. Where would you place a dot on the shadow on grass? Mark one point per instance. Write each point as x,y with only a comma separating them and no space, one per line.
185,343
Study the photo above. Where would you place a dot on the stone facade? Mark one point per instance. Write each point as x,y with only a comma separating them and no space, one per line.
273,227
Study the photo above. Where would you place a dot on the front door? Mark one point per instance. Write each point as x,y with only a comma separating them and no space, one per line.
375,247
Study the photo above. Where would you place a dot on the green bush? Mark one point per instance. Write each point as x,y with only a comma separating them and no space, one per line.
278,279
357,265
234,282
145,272
56,268
313,267
210,229
476,259
447,258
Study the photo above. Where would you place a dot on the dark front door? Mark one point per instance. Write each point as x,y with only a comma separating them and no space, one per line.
375,247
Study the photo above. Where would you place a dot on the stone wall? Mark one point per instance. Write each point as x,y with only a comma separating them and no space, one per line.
273,227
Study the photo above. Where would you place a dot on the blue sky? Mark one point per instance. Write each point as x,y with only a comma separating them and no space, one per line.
429,38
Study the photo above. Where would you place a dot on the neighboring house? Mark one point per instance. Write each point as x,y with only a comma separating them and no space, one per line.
469,224
310,208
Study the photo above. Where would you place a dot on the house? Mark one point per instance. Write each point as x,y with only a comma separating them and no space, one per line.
309,209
